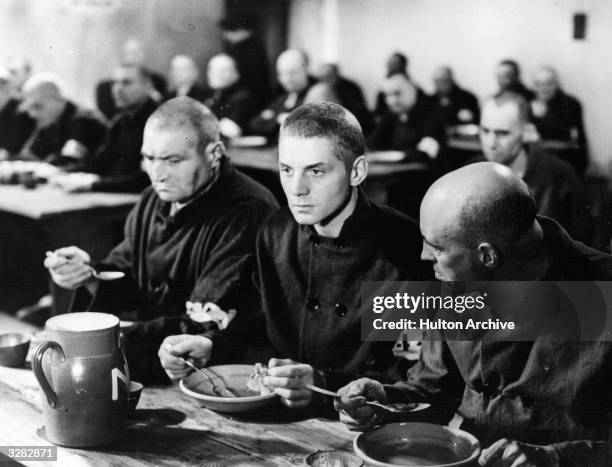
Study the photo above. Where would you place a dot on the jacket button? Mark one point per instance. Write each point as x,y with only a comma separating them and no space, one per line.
340,309
313,304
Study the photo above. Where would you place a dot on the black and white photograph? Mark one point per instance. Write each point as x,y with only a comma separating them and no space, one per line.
329,233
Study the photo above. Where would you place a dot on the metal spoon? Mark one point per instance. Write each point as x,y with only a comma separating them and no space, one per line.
222,391
107,275
100,275
398,407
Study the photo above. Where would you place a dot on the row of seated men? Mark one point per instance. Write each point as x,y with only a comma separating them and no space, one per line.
216,272
60,132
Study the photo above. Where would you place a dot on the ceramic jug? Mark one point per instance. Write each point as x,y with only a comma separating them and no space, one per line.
84,379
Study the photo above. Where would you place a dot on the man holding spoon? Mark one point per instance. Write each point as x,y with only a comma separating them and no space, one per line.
188,243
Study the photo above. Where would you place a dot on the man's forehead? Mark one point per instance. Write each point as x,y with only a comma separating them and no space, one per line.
301,151
500,114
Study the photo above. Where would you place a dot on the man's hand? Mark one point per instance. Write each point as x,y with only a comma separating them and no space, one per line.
174,349
429,146
353,411
69,267
289,380
506,453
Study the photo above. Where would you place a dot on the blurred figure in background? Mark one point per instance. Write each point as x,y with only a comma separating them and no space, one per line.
11,119
405,125
117,166
454,104
242,43
184,78
558,191
63,133
557,117
132,53
292,75
348,92
20,70
232,103
508,76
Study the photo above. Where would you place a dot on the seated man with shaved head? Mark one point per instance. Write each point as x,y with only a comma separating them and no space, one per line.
311,259
189,242
558,191
184,78
232,103
407,125
292,75
455,105
558,118
63,133
530,403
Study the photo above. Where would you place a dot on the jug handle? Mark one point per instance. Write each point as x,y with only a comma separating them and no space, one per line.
39,373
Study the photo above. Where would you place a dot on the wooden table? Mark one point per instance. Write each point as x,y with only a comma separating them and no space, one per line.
169,428
33,221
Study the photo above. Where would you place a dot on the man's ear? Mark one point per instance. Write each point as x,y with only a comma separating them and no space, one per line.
489,255
359,171
214,152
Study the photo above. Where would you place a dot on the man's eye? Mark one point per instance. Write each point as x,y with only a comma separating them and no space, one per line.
174,160
317,172
285,170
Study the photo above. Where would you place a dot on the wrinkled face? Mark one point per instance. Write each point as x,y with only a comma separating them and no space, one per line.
452,258
130,88
183,72
506,76
545,85
292,74
172,161
400,95
221,72
41,108
315,181
501,132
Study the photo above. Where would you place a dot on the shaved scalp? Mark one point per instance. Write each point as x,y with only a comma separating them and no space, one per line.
47,84
187,113
512,98
330,121
490,203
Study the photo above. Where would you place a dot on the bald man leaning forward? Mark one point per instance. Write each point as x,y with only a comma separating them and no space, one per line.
539,403
63,133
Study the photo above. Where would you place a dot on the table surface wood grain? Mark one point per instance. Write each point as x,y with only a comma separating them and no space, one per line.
168,428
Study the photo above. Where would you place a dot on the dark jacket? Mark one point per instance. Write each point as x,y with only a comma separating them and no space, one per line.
540,392
15,126
310,309
236,103
458,107
203,253
562,118
403,133
118,161
265,124
74,123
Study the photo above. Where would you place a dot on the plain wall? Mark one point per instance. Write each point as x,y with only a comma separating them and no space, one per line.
471,36
80,39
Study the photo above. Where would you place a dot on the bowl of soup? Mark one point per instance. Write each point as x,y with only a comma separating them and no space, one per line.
417,444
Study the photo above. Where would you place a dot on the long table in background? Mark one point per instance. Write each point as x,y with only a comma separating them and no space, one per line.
168,428
381,175
35,220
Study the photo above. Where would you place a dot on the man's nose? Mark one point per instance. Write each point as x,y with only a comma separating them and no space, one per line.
156,171
299,186
427,253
